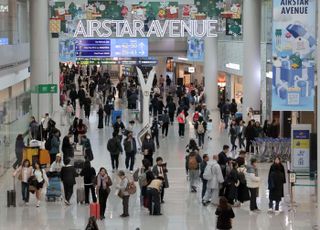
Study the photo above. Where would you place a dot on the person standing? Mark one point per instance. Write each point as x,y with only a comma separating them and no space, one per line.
130,147
253,181
87,149
223,161
115,148
122,186
33,129
87,107
250,134
24,172
193,161
68,175
220,106
225,215
213,175
201,128
73,96
118,127
203,165
165,123
233,108
89,175
55,145
19,150
108,107
232,183
74,130
103,189
276,180
100,117
160,171
148,148
81,95
182,122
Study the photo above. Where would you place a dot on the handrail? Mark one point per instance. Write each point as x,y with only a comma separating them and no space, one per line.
3,67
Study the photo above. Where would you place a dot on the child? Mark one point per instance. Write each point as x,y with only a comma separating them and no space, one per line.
225,214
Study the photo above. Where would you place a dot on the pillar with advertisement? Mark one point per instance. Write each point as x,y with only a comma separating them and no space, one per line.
293,50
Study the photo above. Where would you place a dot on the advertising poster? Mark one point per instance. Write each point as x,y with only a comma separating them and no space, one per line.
300,147
195,49
293,50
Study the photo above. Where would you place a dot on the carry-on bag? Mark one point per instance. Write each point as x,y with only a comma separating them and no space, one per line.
11,195
54,190
80,195
95,210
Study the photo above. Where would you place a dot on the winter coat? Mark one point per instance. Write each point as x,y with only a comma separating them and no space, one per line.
55,143
213,170
276,180
253,181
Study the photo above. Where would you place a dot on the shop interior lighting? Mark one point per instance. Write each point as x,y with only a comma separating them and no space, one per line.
233,66
269,74
182,59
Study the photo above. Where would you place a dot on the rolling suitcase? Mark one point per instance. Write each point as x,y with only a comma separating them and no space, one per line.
80,195
95,210
54,189
11,196
31,153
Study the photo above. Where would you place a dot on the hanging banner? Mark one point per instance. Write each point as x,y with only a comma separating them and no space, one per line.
300,147
293,46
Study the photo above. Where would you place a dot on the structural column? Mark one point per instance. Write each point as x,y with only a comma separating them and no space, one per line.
211,72
54,70
318,115
251,54
12,22
39,54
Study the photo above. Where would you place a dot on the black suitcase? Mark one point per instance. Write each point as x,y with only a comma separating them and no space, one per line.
11,196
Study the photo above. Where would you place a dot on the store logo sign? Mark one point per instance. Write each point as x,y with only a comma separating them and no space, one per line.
157,28
233,66
4,8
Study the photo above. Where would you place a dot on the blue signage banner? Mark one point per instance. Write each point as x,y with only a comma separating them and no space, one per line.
195,49
109,48
293,46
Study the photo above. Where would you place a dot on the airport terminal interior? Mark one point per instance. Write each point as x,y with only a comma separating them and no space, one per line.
159,114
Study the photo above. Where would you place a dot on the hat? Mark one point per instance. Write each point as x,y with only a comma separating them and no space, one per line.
59,155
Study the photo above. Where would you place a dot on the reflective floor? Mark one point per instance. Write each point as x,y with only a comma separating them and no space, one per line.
182,209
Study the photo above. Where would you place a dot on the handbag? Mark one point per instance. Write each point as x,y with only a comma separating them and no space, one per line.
120,194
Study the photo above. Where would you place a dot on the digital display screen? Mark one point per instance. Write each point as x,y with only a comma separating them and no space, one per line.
110,48
4,41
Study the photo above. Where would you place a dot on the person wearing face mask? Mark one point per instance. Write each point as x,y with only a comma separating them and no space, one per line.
148,148
130,147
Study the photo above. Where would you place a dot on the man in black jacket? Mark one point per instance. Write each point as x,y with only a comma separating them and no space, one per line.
67,148
130,147
115,148
171,106
68,175
223,161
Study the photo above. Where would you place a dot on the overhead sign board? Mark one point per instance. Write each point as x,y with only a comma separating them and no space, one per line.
109,48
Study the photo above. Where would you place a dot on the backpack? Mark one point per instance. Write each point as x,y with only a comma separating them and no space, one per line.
196,117
200,129
143,179
192,163
48,144
207,174
131,188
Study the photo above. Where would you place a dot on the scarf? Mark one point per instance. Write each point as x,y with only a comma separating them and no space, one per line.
101,181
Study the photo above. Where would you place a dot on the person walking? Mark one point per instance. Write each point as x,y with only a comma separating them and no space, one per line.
155,131
130,147
160,171
40,178
223,161
241,134
87,107
108,107
171,106
233,135
203,165
114,147
232,184
253,181
225,215
74,130
276,180
55,145
250,134
233,108
213,175
24,172
226,113
67,148
193,161
148,148
201,128
181,118
104,183
68,175
122,186
19,146
89,175
100,117
87,149
165,123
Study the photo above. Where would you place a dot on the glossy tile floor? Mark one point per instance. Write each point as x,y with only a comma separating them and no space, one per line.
182,209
